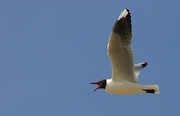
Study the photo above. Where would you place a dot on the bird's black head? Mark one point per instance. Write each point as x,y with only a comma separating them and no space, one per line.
101,84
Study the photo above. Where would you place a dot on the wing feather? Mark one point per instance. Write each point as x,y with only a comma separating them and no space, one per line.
120,49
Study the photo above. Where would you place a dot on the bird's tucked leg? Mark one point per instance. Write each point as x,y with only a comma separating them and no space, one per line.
149,91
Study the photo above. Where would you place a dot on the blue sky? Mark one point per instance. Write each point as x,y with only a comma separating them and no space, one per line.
52,50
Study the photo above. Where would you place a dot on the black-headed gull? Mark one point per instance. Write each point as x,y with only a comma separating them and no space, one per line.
124,72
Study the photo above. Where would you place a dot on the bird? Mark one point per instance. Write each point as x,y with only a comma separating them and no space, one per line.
124,78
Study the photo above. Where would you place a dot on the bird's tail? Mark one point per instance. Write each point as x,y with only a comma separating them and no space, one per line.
154,89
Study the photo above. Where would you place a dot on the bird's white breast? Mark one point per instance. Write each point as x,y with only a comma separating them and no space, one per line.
123,87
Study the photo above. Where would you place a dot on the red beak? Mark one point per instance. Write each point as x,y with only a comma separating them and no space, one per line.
96,83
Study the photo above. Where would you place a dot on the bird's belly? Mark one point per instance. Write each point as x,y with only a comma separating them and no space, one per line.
124,88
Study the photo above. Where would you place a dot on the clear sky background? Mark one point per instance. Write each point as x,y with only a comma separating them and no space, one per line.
50,51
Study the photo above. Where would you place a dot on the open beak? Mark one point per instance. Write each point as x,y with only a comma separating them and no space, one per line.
96,83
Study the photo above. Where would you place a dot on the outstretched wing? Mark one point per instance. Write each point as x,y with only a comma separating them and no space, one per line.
120,50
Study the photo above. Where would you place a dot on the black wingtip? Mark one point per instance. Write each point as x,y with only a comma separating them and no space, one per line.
144,64
127,9
123,27
124,14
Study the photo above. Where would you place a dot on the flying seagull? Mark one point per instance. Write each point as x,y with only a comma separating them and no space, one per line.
125,74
